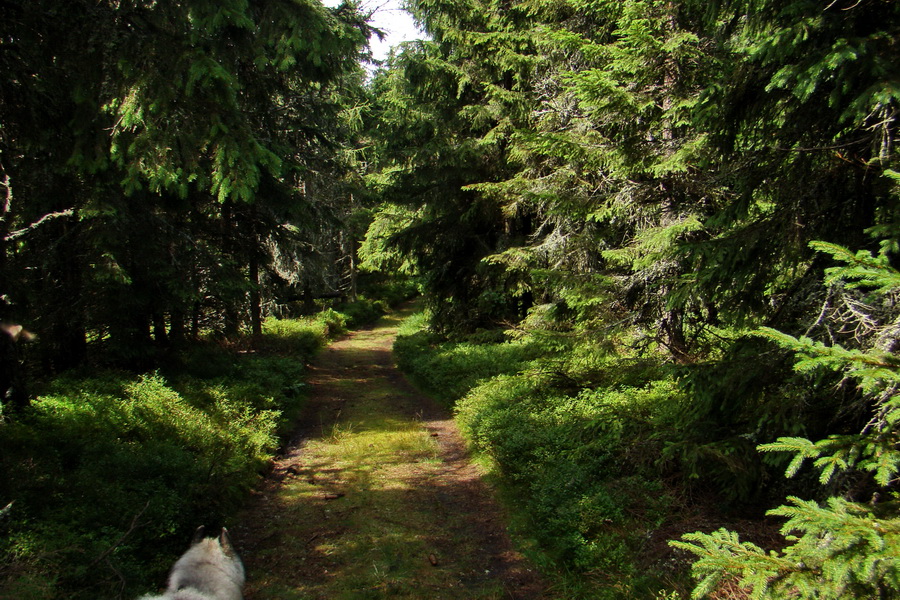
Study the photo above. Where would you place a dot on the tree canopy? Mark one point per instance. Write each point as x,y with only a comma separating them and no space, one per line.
649,175
161,158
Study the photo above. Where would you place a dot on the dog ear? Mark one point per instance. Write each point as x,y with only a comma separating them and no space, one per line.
199,535
225,543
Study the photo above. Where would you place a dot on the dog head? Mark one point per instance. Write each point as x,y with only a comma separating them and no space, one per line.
210,567
209,570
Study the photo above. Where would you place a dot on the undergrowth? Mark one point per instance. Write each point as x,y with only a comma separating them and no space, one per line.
108,474
606,448
569,435
449,370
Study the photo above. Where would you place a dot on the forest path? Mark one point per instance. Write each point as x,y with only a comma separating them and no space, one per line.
376,497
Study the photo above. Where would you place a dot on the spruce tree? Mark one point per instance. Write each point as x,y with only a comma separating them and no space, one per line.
146,130
849,545
444,112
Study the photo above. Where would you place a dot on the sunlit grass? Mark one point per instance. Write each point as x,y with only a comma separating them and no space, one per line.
365,515
386,440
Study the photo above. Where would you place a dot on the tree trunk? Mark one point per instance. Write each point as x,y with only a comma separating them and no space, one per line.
255,300
177,329
159,329
195,321
67,347
230,310
673,330
354,272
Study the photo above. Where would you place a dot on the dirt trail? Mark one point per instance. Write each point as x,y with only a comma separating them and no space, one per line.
376,497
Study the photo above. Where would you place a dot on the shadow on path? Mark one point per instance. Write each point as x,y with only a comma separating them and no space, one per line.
375,496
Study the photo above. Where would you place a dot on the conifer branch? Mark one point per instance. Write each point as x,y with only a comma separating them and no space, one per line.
26,230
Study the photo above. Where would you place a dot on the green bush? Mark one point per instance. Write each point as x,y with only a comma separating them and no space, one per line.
302,337
110,474
570,430
98,456
578,459
449,370
362,312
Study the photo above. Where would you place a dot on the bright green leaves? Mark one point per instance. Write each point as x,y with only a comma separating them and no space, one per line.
307,36
654,246
877,373
235,177
839,453
873,369
721,552
180,119
860,270
643,65
840,56
376,252
835,73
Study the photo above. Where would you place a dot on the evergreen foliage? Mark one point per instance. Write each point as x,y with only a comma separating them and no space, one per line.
645,177
442,117
172,169
574,460
843,547
609,205
173,175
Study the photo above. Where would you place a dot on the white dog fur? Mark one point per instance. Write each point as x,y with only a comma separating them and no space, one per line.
209,570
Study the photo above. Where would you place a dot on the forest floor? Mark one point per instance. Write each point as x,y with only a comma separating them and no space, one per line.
375,496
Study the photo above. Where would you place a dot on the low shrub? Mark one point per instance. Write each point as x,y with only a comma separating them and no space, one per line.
302,337
116,458
579,461
109,474
449,370
570,433
362,312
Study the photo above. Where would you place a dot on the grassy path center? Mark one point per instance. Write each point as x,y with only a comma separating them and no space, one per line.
376,497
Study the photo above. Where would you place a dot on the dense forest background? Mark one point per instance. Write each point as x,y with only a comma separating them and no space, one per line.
654,237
